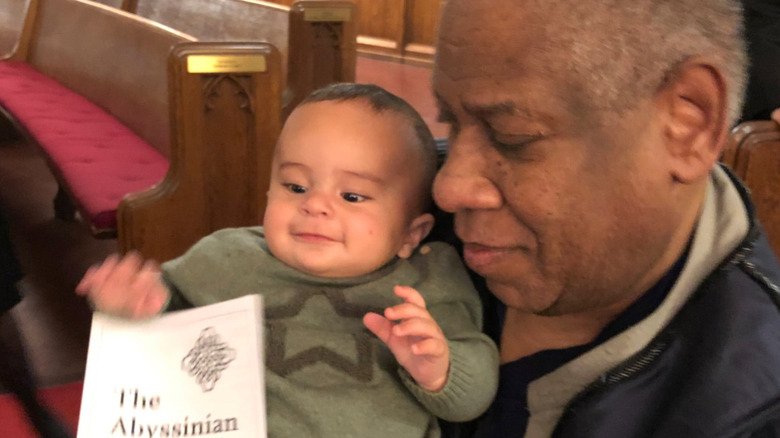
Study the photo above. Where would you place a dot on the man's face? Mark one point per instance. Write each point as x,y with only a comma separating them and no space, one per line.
561,210
342,186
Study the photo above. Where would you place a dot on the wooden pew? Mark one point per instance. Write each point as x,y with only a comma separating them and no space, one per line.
317,38
226,125
752,151
113,3
198,121
11,19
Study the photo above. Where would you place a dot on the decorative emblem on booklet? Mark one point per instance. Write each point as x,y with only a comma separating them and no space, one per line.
208,358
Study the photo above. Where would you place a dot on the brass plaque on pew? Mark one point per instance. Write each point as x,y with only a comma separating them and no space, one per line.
327,14
226,64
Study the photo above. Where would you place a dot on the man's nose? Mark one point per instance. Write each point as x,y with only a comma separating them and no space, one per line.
463,182
316,204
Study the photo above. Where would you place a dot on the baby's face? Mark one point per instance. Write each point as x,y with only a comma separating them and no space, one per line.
343,183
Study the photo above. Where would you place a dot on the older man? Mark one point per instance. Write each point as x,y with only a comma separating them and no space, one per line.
636,293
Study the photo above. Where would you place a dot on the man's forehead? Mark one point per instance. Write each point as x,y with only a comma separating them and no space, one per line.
498,59
478,38
463,21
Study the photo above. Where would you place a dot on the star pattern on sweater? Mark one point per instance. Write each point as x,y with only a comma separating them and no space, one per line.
277,358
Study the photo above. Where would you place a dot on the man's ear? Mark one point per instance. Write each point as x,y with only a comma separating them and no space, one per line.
694,101
418,229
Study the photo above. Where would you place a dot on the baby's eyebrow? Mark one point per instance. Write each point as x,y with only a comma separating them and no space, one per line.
286,164
367,176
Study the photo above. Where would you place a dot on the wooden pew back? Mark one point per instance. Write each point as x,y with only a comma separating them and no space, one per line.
752,151
113,3
221,163
11,19
220,20
317,39
212,108
322,46
60,42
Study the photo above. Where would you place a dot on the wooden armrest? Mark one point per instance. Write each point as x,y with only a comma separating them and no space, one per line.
754,155
739,134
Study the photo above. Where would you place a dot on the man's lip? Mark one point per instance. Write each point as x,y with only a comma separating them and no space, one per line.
478,255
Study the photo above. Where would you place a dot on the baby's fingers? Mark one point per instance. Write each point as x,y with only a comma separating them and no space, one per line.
410,295
156,293
125,270
406,311
149,306
86,281
418,327
99,274
430,347
378,325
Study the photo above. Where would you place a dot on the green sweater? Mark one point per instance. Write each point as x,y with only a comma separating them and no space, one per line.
326,374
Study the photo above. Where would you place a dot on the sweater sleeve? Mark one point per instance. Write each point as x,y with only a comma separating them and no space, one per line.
220,266
176,300
471,384
454,304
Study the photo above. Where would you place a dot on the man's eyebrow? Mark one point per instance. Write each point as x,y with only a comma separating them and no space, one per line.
481,111
494,109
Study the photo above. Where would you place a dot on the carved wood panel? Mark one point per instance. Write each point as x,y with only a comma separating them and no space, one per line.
400,29
422,20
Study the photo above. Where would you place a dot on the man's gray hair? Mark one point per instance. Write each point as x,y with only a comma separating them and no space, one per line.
625,50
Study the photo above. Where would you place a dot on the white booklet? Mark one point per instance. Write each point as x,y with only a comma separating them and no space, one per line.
196,372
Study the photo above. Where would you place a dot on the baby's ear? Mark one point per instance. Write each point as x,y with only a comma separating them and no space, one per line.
418,229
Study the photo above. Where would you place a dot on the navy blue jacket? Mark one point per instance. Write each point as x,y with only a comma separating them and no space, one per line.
714,371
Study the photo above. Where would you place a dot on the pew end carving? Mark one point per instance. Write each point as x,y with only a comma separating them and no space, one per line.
317,39
11,20
322,47
220,166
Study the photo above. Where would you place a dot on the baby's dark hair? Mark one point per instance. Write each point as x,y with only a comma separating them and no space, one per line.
381,100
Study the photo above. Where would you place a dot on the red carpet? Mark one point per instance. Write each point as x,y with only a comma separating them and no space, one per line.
64,401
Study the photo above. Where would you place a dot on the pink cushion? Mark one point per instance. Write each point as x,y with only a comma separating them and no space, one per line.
99,159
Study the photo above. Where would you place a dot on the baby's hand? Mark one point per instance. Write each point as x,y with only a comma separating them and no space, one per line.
416,340
127,287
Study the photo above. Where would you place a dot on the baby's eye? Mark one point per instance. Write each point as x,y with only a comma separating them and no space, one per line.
353,197
295,188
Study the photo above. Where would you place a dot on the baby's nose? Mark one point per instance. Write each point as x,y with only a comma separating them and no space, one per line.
316,204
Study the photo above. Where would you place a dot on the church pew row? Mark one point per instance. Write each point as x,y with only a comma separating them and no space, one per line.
154,137
752,151
11,18
317,38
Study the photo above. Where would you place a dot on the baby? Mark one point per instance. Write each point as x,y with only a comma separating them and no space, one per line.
338,253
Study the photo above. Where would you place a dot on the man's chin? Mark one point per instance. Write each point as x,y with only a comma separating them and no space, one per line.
533,300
